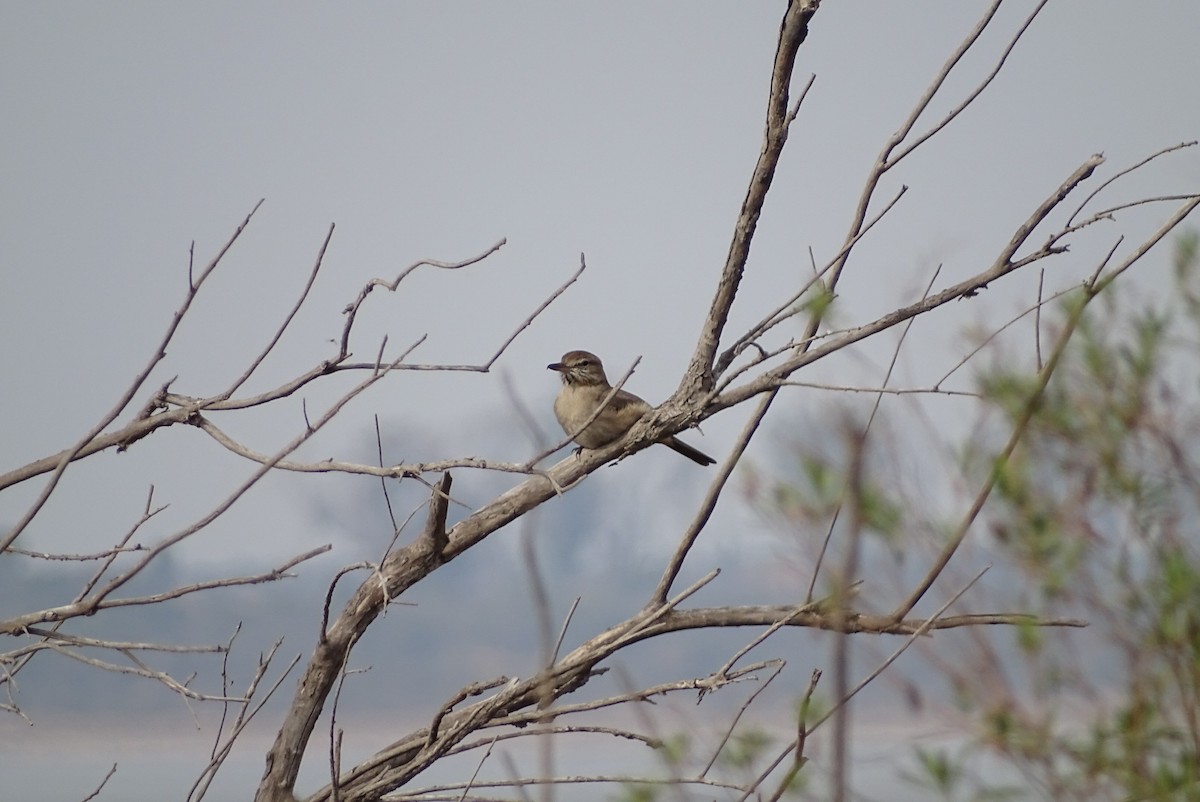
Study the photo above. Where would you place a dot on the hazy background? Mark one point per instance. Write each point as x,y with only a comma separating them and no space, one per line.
432,130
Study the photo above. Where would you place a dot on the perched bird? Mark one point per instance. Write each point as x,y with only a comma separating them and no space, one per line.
584,389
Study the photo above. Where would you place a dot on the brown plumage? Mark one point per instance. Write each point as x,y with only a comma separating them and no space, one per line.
584,389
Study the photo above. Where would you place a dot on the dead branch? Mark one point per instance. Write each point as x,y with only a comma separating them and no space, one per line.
246,713
523,701
93,604
1003,265
103,783
792,32
351,310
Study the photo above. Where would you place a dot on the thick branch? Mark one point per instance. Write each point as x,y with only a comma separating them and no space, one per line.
404,759
400,570
792,33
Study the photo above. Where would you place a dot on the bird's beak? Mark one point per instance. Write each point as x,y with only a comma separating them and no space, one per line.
560,367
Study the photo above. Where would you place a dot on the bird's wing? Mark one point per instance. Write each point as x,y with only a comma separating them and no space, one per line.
624,399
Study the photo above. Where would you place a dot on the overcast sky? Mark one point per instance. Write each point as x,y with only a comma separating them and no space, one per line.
432,130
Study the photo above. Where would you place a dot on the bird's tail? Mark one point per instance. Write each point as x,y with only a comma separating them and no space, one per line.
694,454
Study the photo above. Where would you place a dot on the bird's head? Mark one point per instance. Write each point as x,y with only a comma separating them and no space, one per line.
580,367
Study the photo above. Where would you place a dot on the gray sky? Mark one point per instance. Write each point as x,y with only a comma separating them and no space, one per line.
431,130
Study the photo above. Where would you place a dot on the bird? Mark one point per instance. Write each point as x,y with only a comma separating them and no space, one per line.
585,387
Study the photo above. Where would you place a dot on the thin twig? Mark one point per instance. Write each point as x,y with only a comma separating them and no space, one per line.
287,321
471,782
351,310
799,760
562,632
1122,173
788,308
779,664
977,91
98,602
245,715
103,782
709,504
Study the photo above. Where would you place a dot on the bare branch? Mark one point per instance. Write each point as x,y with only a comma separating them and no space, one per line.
1002,266
246,713
741,710
532,315
1122,173
103,782
572,729
788,308
140,670
792,33
351,310
399,762
923,103
92,604
135,646
287,321
709,504
430,793
1036,309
